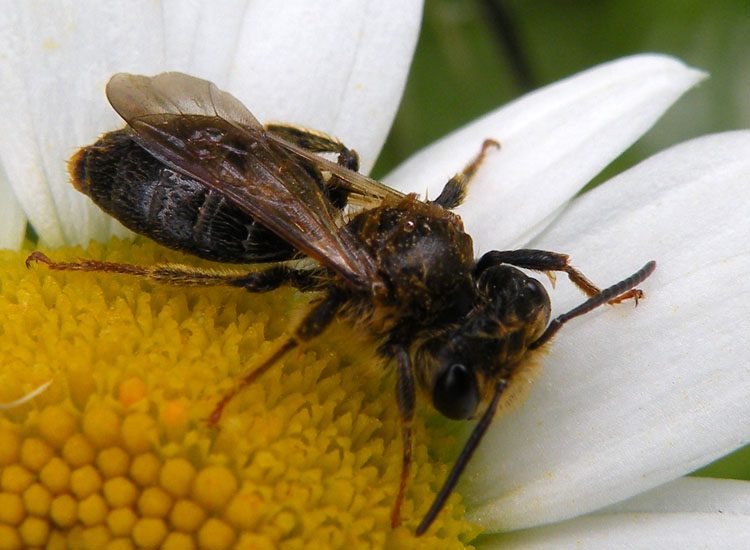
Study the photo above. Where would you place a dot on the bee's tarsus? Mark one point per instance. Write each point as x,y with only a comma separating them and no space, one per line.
613,294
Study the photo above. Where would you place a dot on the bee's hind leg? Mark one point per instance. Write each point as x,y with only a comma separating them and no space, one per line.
454,192
316,142
184,275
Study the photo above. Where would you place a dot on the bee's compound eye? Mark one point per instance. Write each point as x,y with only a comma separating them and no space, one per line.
455,393
534,289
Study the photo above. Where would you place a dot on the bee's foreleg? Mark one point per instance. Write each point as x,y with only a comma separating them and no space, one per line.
543,260
406,399
609,295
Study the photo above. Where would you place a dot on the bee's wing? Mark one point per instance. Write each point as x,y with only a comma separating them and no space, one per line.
208,135
134,96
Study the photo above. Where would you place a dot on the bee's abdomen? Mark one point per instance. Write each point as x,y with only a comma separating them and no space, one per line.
181,213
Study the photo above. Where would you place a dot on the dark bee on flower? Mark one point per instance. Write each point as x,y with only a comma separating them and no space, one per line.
196,172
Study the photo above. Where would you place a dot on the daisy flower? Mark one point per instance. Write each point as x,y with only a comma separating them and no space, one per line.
106,379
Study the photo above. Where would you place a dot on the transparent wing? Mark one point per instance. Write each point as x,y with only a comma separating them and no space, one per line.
208,135
134,96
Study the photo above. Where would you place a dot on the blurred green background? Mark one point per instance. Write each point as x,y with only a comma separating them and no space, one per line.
475,55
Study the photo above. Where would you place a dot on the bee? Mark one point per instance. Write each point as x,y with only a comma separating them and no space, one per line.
196,172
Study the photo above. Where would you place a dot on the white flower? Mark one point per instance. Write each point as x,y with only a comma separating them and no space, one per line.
630,399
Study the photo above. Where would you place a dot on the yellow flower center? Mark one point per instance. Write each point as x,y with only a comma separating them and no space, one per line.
116,453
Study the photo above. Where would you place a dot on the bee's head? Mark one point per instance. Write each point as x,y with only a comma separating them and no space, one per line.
459,365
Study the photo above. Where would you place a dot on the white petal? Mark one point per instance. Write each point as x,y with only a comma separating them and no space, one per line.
336,67
632,398
553,142
687,514
181,19
56,60
13,220
697,495
201,37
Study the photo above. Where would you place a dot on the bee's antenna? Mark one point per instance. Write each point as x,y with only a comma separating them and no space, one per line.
610,293
463,459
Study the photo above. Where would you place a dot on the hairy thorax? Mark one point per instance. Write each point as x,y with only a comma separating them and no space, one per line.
424,257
